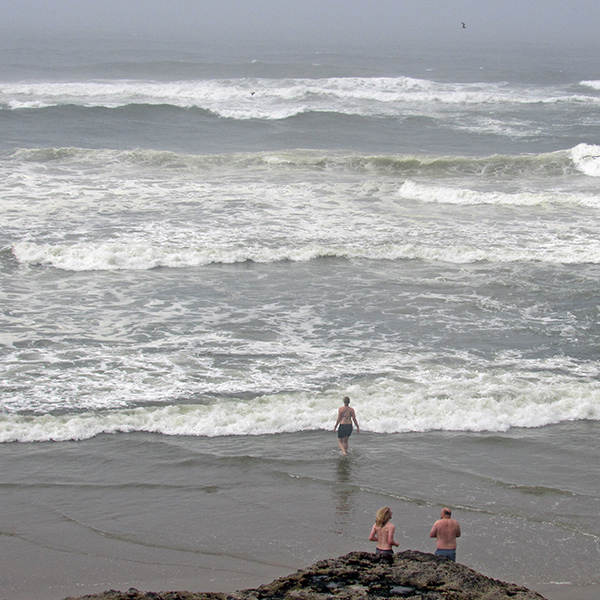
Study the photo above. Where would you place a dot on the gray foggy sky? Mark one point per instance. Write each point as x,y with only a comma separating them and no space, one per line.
324,21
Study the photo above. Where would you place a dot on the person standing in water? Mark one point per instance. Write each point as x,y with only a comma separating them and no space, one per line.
345,417
383,532
446,530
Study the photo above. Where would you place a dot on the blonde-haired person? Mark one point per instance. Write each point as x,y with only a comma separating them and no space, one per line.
383,532
345,417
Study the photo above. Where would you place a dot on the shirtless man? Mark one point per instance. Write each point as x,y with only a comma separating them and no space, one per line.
446,530
383,532
345,417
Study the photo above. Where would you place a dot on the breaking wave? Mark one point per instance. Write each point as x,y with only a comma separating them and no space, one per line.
584,158
448,401
255,98
146,256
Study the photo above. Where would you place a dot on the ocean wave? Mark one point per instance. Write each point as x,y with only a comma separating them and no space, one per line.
428,193
583,158
273,99
586,158
445,402
145,255
594,84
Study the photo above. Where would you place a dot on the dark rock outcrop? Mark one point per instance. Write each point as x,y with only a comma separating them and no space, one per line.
362,576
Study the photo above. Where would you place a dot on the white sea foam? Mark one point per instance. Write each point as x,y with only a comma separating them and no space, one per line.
464,196
281,98
145,255
101,210
440,400
594,84
587,159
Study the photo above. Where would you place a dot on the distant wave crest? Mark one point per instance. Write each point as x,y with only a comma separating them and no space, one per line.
594,84
255,98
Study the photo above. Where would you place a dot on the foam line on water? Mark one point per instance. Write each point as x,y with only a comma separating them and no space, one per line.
467,402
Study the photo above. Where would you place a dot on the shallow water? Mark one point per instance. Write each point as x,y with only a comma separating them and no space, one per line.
231,512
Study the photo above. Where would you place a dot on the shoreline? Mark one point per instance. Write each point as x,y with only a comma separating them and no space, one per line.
361,575
223,580
550,591
568,591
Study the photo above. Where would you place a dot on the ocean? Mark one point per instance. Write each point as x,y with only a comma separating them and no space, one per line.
204,249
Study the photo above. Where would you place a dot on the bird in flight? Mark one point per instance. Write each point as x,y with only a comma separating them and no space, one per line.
464,26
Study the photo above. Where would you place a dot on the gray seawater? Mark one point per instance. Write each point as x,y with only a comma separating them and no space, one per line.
202,251
222,513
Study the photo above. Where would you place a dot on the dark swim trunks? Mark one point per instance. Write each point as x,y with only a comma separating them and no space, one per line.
344,431
389,552
450,554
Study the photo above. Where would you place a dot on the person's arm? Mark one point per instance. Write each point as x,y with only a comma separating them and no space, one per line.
373,535
433,532
355,421
338,419
457,529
